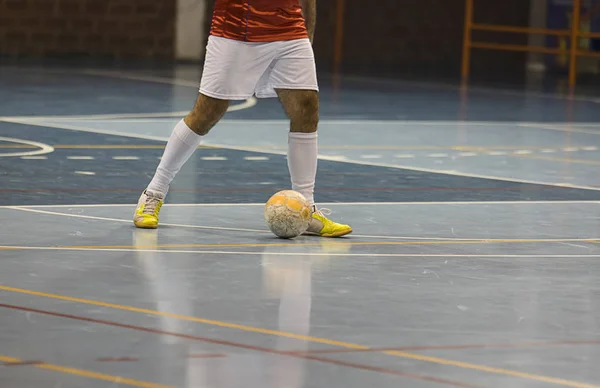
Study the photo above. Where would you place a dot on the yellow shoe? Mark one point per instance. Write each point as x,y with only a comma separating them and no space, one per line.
322,226
146,213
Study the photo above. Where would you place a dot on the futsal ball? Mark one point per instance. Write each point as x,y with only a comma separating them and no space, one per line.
287,213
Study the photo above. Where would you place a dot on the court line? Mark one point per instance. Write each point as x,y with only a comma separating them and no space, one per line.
88,374
442,123
330,244
306,254
81,129
130,221
322,157
325,341
451,203
28,209
514,345
43,148
268,188
251,102
566,127
243,346
461,174
555,148
562,160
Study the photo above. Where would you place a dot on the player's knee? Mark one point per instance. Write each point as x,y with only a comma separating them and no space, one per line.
206,114
306,115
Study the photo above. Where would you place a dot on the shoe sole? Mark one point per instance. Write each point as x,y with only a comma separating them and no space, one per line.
330,235
141,226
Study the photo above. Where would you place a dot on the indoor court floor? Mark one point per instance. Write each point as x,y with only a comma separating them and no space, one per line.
474,260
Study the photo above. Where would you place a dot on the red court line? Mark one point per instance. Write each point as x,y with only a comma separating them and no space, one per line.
21,363
207,355
453,347
133,359
248,347
117,359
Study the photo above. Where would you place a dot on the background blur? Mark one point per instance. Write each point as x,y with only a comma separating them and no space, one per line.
392,38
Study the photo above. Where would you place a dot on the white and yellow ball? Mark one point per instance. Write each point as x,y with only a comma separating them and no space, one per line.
287,214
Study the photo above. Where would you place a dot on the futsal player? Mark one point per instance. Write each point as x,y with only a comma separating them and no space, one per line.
262,48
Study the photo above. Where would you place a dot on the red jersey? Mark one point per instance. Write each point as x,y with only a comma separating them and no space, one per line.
258,20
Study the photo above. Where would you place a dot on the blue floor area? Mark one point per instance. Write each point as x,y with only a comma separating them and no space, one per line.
226,176
41,91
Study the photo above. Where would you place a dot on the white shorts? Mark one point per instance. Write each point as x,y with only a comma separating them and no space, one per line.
236,70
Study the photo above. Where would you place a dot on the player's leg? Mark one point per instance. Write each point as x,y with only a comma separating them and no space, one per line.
293,78
302,108
231,72
185,139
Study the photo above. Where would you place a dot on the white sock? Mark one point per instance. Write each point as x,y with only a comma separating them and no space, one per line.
302,162
182,144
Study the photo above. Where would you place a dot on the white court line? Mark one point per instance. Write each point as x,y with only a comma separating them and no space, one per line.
450,203
26,209
82,129
43,148
80,157
213,158
126,158
274,152
110,117
249,103
34,157
421,123
115,117
263,253
256,158
130,221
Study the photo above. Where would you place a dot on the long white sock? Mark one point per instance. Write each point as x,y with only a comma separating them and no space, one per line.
302,163
180,147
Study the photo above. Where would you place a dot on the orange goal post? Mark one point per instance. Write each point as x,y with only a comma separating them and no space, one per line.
573,34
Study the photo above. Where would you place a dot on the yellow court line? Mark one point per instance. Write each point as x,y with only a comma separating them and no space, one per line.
347,345
483,368
332,244
187,318
90,374
564,160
